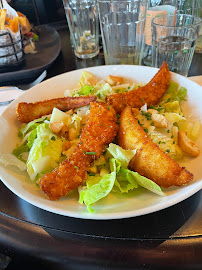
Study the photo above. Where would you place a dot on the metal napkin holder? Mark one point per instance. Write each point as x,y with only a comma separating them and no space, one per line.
17,61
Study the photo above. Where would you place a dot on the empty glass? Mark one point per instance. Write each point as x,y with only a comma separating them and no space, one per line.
174,40
82,18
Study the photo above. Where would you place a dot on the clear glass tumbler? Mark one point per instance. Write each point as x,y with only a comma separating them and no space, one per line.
122,27
82,18
194,8
174,40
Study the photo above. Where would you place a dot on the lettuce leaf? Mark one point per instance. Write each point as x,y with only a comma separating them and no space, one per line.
45,152
99,190
10,159
122,155
31,138
86,90
181,94
125,181
120,179
174,117
173,107
18,151
173,94
104,91
84,76
147,183
30,126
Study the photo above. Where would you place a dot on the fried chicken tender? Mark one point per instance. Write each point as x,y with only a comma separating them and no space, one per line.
151,93
100,130
27,112
149,160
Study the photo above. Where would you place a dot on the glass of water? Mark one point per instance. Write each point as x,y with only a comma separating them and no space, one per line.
122,27
174,40
82,18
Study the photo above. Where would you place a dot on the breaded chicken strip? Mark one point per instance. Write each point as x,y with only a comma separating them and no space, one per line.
151,93
149,160
100,130
27,112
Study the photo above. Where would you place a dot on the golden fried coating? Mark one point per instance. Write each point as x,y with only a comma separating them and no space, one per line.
27,112
151,93
100,130
149,160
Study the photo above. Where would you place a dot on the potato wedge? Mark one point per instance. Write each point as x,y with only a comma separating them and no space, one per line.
149,160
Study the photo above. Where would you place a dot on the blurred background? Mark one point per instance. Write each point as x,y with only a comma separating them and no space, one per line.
40,11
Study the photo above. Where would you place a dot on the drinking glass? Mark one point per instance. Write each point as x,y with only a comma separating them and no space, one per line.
122,27
174,40
82,18
194,8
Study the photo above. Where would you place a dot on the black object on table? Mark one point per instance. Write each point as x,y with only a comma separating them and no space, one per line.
48,48
34,238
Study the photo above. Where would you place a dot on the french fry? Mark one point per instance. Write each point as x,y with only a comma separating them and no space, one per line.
15,22
2,19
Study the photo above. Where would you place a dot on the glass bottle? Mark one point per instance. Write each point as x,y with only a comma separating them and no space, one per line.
155,8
